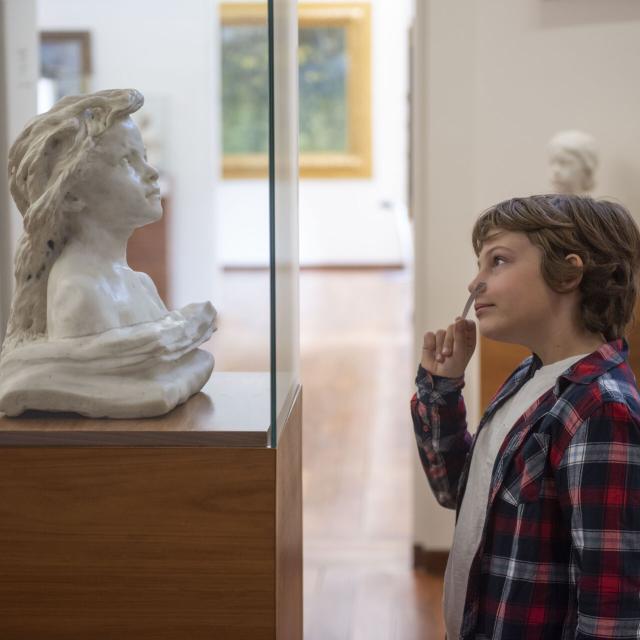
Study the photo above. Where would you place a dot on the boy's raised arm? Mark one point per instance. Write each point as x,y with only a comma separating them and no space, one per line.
438,410
440,425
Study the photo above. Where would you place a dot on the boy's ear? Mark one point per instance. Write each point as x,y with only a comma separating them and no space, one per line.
573,283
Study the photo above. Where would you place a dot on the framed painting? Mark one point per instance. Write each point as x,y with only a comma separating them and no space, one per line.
334,59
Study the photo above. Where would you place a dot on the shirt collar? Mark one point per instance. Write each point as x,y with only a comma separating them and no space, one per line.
592,366
609,355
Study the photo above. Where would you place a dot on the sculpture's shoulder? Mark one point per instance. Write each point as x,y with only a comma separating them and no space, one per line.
147,282
77,305
71,268
140,282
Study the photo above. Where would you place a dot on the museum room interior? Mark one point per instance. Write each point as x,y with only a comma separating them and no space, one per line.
320,167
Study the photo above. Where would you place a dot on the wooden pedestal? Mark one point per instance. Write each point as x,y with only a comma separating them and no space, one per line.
119,530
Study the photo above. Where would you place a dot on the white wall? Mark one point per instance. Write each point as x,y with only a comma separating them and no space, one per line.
497,81
343,221
18,80
570,64
166,50
444,203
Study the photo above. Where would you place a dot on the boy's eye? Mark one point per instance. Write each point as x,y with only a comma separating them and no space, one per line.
496,258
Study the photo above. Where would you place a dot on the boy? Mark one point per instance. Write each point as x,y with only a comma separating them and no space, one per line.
547,493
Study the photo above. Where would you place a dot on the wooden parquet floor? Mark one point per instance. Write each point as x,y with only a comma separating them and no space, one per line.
356,366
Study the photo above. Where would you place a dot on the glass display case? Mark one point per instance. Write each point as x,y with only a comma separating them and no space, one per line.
219,124
190,523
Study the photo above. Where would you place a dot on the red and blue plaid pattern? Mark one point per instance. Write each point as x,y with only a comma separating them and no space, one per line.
559,556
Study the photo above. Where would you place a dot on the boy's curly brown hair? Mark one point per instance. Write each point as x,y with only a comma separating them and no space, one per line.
602,233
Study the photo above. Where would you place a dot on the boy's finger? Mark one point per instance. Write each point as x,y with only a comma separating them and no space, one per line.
447,347
459,331
439,342
429,342
470,331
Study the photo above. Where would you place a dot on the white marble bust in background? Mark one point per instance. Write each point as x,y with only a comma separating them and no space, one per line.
86,333
573,159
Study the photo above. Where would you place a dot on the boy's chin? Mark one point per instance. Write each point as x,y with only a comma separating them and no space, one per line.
499,334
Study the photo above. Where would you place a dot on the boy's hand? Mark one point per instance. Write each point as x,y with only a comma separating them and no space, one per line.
447,353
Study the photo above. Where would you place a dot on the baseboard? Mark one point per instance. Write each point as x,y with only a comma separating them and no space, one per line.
430,560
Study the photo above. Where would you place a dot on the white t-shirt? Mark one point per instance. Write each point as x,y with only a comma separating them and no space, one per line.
473,511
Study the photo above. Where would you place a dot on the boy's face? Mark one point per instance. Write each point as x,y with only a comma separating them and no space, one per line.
517,304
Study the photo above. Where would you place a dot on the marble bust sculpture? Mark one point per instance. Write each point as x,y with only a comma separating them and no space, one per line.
86,333
573,159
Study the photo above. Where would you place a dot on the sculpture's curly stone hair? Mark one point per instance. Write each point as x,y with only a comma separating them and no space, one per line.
602,233
44,161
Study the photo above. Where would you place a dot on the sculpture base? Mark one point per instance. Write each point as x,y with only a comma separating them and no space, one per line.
47,388
144,542
135,371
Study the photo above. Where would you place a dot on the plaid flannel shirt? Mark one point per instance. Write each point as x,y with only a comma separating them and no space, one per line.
559,556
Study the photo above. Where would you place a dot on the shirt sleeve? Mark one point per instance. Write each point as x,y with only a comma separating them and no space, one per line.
599,490
440,425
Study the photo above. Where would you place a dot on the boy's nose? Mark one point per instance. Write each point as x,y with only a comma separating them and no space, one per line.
477,287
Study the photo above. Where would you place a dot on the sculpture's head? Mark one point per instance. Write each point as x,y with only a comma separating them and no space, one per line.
47,166
573,159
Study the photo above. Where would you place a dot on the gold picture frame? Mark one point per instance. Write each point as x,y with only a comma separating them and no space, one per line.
355,19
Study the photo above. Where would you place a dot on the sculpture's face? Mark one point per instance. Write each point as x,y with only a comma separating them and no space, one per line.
568,175
118,188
